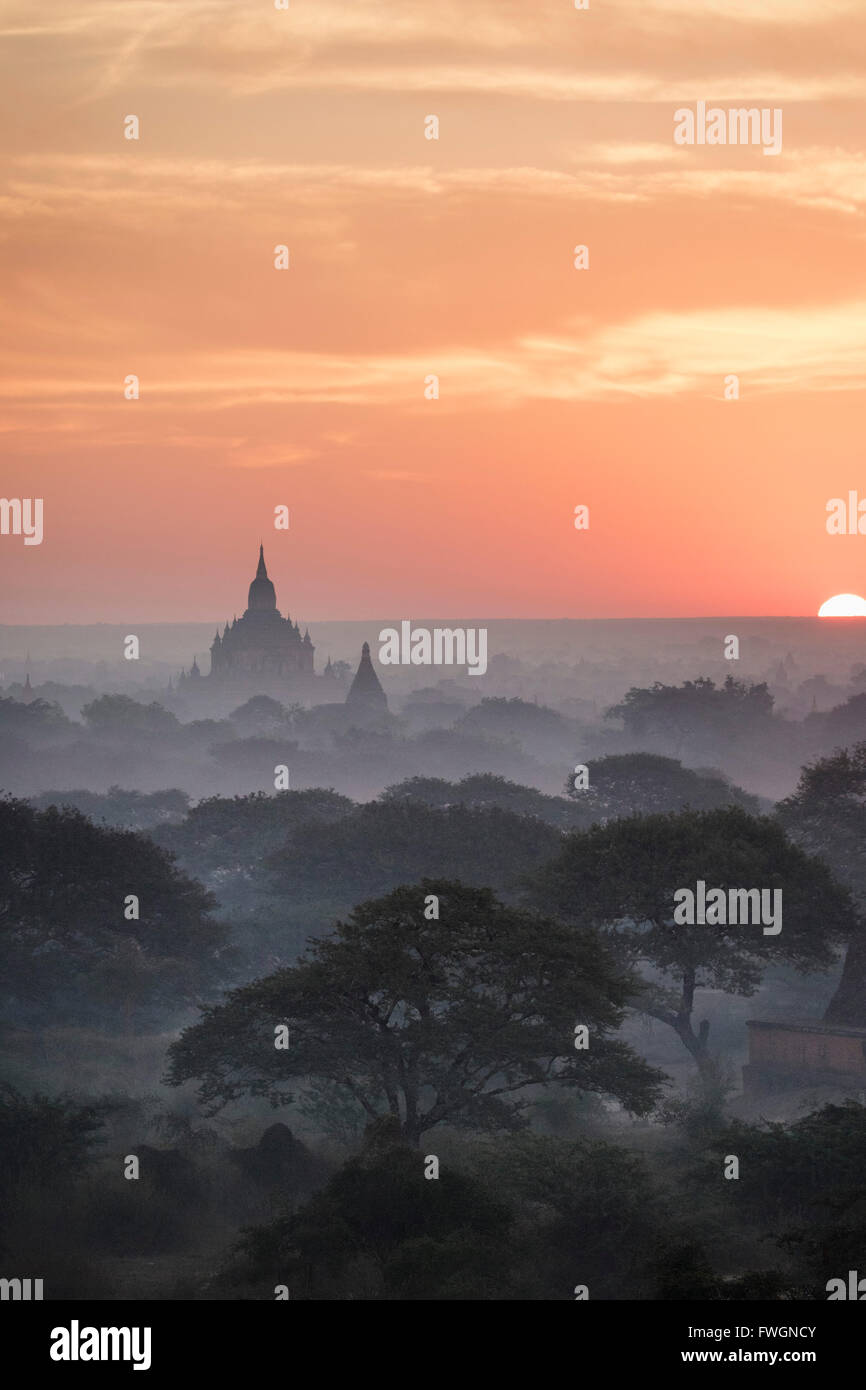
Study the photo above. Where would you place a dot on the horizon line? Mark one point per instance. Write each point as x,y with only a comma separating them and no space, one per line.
629,618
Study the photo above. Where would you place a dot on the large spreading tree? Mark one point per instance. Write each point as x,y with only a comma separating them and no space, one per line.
429,1020
622,877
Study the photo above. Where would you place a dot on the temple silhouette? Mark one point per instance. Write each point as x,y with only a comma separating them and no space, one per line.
262,641
265,652
365,692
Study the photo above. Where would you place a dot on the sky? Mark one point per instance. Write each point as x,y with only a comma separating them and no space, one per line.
412,257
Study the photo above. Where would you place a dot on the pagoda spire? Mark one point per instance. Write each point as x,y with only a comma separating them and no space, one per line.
262,596
366,689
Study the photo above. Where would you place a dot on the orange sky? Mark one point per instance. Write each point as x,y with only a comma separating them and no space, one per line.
410,257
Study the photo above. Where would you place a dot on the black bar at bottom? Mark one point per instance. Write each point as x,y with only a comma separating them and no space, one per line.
297,1339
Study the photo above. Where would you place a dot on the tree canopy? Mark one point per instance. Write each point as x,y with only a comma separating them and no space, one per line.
524,1218
428,1020
621,877
263,715
481,790
30,718
121,717
124,808
383,844
630,784
378,1230
66,946
845,723
695,714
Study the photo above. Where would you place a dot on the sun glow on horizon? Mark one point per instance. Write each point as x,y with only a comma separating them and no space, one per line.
843,606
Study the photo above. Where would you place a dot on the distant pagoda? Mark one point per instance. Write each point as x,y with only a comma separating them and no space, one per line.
366,693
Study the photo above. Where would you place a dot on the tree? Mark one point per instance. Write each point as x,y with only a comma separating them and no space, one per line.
484,789
817,1216
67,948
622,877
631,784
227,841
119,716
845,723
32,718
597,1216
826,816
378,1230
539,730
430,1021
263,715
820,1154
256,758
127,810
383,844
695,713
46,1148
44,1139
225,834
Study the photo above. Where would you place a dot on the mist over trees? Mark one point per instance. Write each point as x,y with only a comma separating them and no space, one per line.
696,709
122,809
738,730
447,957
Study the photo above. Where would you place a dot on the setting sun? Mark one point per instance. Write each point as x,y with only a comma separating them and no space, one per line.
843,606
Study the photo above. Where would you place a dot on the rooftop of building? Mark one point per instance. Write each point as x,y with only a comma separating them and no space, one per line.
807,1025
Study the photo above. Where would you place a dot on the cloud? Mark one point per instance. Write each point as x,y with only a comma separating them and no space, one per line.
812,348
74,187
618,51
750,12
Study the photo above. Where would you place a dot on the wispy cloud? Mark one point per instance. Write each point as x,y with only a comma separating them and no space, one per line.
545,51
660,354
74,187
